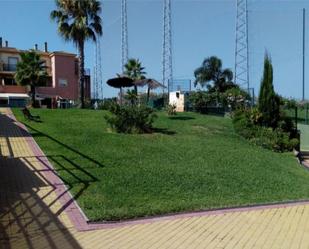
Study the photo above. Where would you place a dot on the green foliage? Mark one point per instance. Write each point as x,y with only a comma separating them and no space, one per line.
235,98
211,74
200,100
131,96
289,103
283,138
171,109
134,70
107,104
31,71
269,101
78,21
131,119
232,98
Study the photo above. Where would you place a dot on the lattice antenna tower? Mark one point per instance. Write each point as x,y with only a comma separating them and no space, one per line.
124,34
98,70
167,43
241,76
94,77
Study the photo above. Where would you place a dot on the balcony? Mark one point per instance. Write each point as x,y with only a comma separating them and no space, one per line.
13,89
7,67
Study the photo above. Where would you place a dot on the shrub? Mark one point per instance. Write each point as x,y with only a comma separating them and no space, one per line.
171,109
107,104
235,98
201,99
282,138
131,119
269,101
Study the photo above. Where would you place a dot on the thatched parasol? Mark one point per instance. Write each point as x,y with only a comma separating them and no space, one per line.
120,82
151,83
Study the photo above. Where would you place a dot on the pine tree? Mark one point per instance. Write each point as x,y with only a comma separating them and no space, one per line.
269,102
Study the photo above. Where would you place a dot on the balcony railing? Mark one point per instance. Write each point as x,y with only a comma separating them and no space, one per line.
8,67
13,89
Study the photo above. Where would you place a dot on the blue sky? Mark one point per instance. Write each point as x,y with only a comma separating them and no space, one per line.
201,28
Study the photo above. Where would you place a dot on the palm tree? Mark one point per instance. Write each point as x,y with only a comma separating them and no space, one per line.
211,72
134,70
79,21
31,70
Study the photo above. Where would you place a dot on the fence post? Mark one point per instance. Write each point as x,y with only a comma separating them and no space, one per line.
307,113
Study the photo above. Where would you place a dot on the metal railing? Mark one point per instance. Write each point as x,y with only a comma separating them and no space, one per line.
8,67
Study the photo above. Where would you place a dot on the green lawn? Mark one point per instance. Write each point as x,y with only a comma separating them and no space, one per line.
301,114
193,162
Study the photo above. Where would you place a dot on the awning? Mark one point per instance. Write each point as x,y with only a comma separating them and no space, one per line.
13,95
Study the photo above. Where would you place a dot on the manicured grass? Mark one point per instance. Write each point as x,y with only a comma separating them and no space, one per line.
194,162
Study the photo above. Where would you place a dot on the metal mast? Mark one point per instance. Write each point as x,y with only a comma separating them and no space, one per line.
167,43
304,51
97,82
241,76
124,34
98,70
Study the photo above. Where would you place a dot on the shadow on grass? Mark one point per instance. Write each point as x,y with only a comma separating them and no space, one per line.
163,131
181,118
41,134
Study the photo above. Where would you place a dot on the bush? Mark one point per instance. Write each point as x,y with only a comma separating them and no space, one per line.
283,138
200,100
235,98
107,104
131,119
171,109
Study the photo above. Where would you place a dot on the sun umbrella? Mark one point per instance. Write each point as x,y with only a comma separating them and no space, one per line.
151,83
120,82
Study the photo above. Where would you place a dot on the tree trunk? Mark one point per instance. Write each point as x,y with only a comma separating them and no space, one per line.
135,89
120,95
32,90
148,94
82,73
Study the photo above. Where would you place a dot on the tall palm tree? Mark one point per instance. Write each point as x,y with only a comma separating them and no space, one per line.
31,70
135,71
79,21
211,72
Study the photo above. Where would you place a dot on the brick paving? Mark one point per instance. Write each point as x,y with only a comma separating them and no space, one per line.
36,211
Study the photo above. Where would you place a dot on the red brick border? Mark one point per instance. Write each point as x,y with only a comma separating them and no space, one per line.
81,222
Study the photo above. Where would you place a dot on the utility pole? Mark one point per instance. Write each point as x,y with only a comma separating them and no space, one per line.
304,47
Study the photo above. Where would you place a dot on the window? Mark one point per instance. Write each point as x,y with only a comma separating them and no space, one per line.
9,81
12,62
63,82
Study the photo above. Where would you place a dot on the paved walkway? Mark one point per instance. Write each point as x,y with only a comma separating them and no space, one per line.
36,211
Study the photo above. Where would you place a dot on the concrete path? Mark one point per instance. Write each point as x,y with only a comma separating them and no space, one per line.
36,211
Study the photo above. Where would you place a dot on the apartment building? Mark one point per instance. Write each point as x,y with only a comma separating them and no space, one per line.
61,87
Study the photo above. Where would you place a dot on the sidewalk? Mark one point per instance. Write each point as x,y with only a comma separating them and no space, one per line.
36,211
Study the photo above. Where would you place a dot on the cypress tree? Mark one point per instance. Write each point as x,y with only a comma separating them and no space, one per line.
269,102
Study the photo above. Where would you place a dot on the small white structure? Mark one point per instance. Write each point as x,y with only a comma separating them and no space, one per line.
178,99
